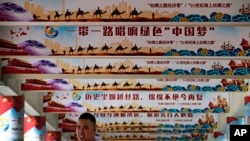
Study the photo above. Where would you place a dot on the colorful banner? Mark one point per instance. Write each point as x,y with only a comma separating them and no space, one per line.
53,135
154,122
147,137
125,40
160,84
151,136
34,128
133,101
125,11
68,121
12,118
148,66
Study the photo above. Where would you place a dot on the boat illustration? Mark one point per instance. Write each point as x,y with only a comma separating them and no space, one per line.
245,9
245,44
226,82
227,46
217,66
242,64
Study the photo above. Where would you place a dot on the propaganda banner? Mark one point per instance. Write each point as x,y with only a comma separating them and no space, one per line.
126,40
148,137
136,101
125,11
12,118
34,128
150,123
139,66
140,136
147,84
68,121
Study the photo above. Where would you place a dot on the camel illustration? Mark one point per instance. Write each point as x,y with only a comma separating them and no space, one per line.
96,67
48,17
71,50
121,107
140,107
122,68
80,13
91,48
138,85
88,86
134,13
53,51
64,70
126,84
110,67
105,48
105,108
116,13
87,68
104,84
115,84
35,17
57,15
95,85
68,14
80,49
120,48
135,48
131,107
79,69
136,68
99,13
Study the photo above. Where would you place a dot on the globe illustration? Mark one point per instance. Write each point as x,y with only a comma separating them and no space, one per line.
76,96
4,125
51,32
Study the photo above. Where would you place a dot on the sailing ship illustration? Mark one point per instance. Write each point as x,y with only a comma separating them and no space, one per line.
217,66
227,46
226,82
245,44
245,9
242,64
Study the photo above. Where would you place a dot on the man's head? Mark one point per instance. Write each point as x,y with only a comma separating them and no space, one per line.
86,127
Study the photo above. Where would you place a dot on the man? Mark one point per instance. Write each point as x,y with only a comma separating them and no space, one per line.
86,127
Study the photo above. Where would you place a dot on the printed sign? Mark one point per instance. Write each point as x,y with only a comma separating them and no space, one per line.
130,101
126,66
160,84
126,11
12,118
154,123
34,128
125,40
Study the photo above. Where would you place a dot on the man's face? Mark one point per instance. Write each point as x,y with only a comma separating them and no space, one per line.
85,130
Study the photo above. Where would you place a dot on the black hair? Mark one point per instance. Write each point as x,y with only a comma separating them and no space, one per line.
89,116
